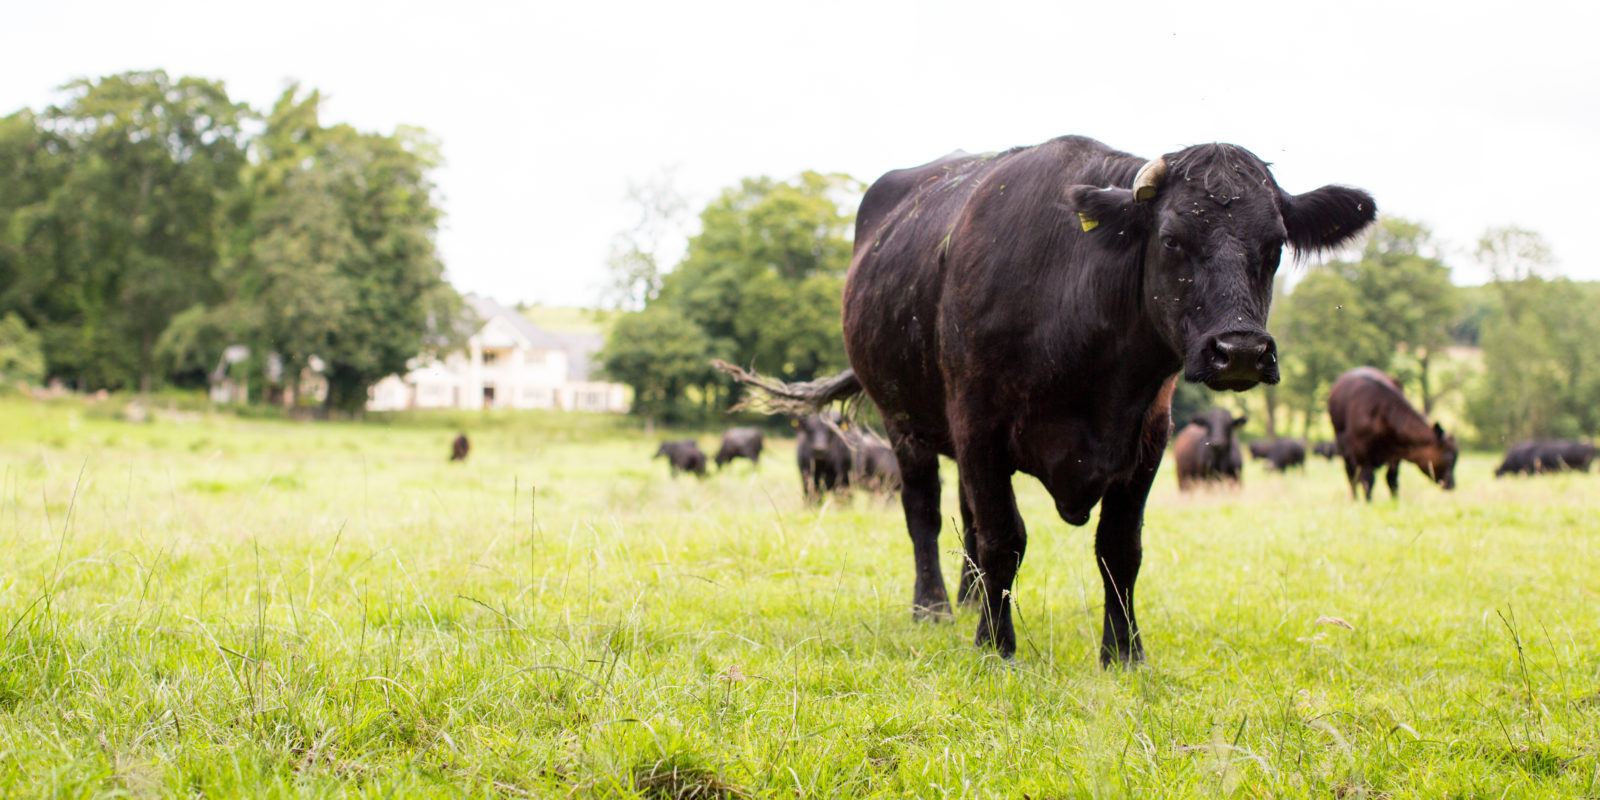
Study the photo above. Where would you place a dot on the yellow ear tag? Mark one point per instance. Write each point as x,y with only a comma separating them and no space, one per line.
1088,224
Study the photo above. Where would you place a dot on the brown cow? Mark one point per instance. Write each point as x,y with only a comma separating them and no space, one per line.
459,448
1207,449
1374,425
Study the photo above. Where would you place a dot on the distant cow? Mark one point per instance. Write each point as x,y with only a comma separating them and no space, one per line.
1207,449
459,448
823,454
1280,454
1537,457
1328,450
876,469
683,456
1375,426
740,443
1028,311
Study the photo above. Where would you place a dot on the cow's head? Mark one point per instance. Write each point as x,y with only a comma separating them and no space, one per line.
1209,224
1220,427
1438,459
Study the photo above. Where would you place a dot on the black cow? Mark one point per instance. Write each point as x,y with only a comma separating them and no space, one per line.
1029,311
1280,454
459,448
1207,449
1328,450
1375,426
876,469
823,454
1537,457
740,443
683,455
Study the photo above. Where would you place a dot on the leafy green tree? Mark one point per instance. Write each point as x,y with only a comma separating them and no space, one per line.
128,238
763,277
1541,368
1325,334
335,252
660,354
21,359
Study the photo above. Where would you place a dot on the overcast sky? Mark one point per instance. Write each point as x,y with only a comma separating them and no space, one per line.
1460,115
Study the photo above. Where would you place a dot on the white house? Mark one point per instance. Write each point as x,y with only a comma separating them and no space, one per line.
509,363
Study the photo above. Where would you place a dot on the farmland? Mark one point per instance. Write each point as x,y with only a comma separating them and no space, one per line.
210,606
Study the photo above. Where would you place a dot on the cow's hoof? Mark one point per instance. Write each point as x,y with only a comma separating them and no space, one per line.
1121,660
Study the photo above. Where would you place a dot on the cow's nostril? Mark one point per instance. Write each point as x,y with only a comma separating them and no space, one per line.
1217,355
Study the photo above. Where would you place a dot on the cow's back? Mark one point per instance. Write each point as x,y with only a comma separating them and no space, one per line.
917,227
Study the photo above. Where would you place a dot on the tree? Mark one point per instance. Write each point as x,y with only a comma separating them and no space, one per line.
129,236
1541,369
637,253
335,256
1328,335
660,354
20,356
763,277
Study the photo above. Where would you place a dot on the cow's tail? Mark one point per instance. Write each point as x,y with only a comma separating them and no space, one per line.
772,396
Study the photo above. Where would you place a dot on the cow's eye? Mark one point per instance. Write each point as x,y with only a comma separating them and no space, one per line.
1171,244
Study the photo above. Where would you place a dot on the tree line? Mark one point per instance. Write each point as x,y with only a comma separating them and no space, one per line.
759,286
148,223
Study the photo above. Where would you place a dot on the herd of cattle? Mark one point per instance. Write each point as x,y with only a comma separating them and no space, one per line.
833,456
1374,426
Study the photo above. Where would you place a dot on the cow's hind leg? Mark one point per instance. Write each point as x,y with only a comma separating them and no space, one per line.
967,594
919,497
1350,477
1392,477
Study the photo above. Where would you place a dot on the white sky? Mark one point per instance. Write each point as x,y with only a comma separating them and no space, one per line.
1462,115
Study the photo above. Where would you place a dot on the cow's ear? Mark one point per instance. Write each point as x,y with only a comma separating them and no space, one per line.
1239,423
1438,431
1109,216
1325,218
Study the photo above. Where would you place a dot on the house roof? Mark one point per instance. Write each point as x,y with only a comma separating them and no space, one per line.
579,347
537,337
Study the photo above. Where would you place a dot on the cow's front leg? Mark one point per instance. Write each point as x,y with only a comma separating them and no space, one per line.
1001,542
1119,549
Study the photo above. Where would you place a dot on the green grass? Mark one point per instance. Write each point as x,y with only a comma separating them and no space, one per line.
207,606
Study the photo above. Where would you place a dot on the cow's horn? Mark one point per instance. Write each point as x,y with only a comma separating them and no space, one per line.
1148,178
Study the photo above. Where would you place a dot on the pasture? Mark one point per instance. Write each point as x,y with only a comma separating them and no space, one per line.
209,606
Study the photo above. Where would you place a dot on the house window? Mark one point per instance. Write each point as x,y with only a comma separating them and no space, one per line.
490,356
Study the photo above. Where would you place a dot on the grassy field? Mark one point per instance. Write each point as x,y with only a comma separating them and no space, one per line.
204,606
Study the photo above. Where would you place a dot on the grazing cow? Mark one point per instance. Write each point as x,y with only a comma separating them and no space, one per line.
683,456
459,448
740,443
1207,449
1328,450
1574,455
876,469
1030,310
1280,454
823,454
1375,426
1536,457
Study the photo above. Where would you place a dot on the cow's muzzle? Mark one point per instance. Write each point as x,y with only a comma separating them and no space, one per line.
1238,360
